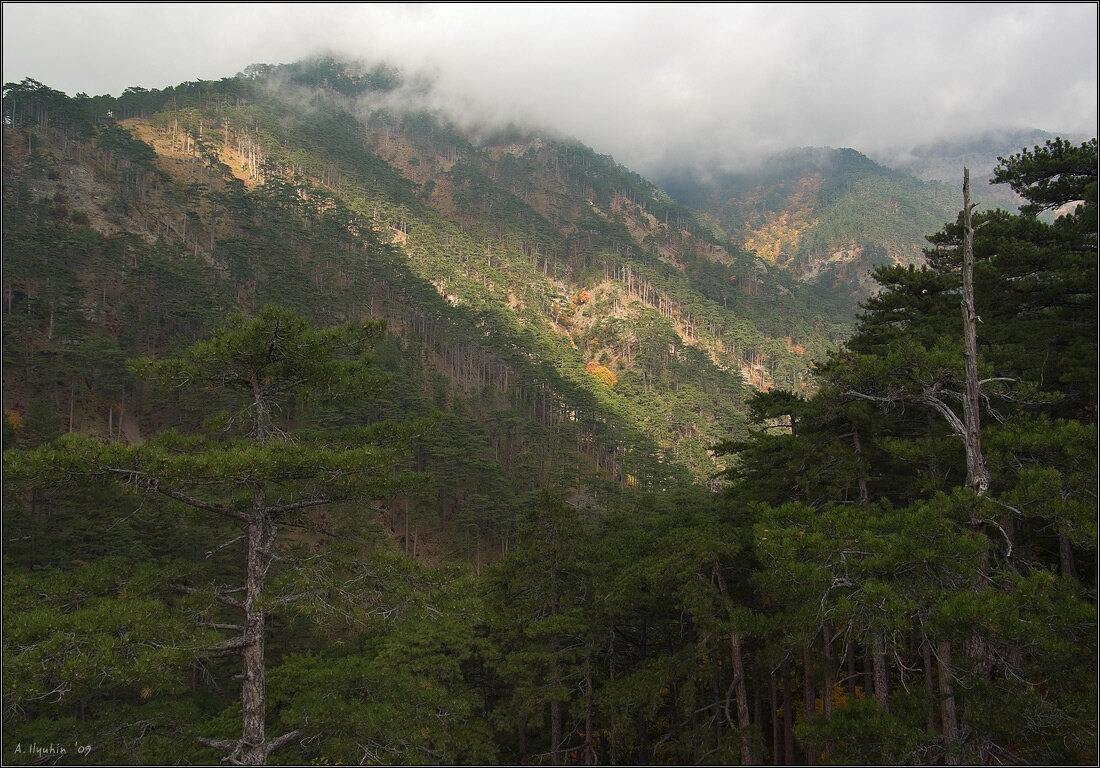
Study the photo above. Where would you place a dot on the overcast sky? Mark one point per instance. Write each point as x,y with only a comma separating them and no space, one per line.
643,82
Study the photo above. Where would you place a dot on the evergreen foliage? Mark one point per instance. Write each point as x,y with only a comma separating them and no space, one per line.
509,538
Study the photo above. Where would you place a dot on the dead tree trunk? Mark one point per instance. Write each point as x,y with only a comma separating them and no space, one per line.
261,538
253,748
977,476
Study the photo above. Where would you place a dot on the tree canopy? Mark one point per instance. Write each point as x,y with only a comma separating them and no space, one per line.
412,462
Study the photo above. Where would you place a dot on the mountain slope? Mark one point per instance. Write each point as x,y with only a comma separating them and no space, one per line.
826,216
573,325
567,289
564,342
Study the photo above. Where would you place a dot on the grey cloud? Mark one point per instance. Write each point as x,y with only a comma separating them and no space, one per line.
652,84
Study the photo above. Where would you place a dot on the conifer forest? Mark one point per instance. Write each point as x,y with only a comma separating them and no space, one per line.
337,433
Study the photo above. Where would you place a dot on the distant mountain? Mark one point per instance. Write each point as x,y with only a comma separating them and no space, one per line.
825,216
941,160
944,160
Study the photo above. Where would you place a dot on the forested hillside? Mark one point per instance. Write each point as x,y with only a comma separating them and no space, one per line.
827,217
513,232
336,432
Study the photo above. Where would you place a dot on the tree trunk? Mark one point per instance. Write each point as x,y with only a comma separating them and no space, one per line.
757,713
850,654
777,744
589,749
809,696
827,687
1065,557
868,675
948,714
741,694
555,705
555,733
521,735
864,493
739,688
261,536
929,688
788,712
611,677
253,747
977,476
882,689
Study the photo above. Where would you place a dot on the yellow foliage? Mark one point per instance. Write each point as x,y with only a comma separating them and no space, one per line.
602,374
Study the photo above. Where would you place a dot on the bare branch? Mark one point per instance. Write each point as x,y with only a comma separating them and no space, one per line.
1008,541
956,424
153,484
284,739
231,646
218,595
303,504
287,599
217,743
226,544
60,691
192,501
928,397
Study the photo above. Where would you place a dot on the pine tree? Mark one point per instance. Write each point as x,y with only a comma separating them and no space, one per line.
979,593
255,471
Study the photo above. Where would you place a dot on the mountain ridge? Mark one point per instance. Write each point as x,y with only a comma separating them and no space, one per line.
510,222
827,216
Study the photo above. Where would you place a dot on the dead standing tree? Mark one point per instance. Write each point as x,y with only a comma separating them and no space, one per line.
977,476
934,394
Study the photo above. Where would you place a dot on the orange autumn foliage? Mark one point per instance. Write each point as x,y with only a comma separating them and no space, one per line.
602,374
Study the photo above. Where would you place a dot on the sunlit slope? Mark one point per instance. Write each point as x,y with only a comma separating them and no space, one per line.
531,274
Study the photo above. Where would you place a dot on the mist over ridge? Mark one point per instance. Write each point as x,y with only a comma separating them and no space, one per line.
656,86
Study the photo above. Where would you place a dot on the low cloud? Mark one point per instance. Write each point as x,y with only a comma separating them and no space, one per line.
657,86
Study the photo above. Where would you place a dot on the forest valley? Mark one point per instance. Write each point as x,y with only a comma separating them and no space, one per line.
334,435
